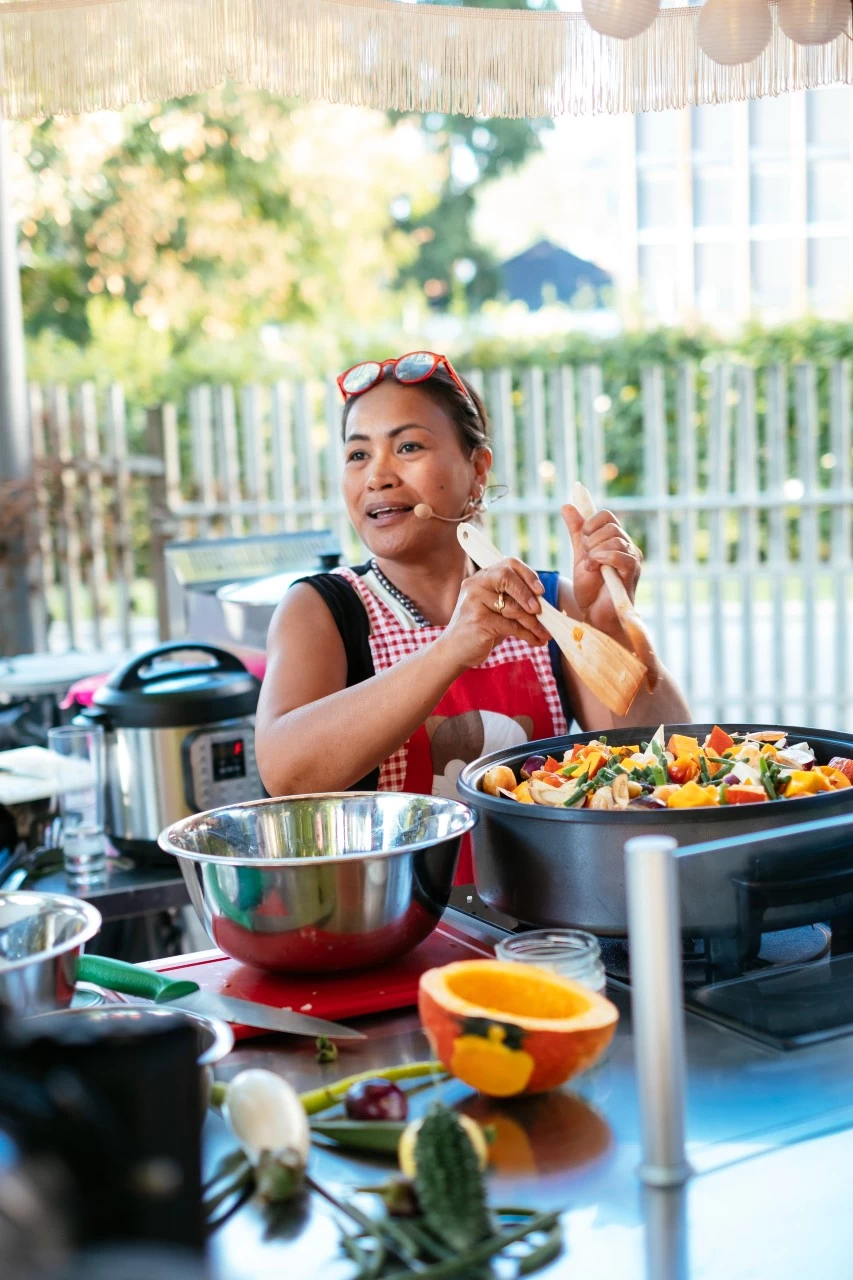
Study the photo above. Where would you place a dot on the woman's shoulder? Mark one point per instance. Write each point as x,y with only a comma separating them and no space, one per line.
331,596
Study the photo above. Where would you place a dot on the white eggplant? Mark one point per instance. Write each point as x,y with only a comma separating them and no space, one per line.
265,1113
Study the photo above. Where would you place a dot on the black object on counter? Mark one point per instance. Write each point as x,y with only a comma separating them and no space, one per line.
116,1118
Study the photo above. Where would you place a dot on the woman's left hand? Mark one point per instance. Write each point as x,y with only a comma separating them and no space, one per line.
598,541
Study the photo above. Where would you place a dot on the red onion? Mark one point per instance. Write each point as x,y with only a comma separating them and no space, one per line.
376,1100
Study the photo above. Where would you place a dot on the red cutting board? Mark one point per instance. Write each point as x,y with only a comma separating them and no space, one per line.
337,996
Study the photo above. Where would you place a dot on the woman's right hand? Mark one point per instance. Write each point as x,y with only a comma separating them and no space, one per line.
476,626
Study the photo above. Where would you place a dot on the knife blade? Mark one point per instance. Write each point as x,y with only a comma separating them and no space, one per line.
118,975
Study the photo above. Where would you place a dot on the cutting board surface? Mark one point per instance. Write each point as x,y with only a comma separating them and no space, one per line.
337,996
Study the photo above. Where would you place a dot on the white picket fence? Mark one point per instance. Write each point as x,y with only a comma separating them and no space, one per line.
742,504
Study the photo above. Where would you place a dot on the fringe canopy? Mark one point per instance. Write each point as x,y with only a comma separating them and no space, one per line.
69,56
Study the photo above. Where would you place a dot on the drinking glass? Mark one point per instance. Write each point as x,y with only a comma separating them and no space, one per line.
80,780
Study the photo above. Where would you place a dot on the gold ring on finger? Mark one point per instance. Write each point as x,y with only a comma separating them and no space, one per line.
500,603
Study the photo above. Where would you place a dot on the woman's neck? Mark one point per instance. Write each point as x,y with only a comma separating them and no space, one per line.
433,583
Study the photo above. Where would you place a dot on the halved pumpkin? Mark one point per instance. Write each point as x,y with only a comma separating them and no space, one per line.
507,1028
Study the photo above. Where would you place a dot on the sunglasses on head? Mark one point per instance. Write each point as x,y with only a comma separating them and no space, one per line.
415,367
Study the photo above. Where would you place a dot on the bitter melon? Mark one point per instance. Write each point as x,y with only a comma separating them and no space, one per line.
449,1183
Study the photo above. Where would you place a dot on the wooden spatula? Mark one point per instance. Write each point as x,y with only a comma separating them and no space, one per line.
608,670
632,623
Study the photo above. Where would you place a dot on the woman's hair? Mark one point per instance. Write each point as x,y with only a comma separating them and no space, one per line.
469,416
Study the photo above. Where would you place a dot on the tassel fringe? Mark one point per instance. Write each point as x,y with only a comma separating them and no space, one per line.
70,56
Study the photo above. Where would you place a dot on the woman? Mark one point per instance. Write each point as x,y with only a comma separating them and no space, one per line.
395,674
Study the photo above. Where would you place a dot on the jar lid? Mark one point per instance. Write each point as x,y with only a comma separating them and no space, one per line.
152,691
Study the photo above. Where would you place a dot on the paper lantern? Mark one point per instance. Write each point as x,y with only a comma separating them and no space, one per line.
813,21
734,31
620,18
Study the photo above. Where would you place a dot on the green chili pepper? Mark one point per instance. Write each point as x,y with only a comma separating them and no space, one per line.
362,1135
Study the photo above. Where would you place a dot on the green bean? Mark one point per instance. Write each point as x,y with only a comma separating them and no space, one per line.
550,1248
426,1241
475,1257
396,1239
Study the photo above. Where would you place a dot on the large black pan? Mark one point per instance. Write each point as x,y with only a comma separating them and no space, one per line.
565,867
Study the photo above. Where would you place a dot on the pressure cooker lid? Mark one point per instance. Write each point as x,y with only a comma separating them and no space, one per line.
156,691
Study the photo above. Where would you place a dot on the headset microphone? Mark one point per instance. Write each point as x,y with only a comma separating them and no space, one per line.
424,511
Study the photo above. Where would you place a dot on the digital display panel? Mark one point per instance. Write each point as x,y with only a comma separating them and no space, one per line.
229,760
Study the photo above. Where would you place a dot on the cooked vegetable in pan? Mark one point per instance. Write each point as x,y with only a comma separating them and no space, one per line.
725,769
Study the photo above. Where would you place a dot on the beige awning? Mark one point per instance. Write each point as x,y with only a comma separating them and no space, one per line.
66,56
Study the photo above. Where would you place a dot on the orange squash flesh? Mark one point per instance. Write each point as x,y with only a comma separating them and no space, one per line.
508,1029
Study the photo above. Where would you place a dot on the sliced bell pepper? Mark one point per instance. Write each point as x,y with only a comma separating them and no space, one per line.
551,765
541,775
684,769
806,782
746,795
837,779
679,745
719,741
522,793
597,760
692,796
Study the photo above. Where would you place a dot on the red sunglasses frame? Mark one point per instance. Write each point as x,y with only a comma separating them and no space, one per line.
407,382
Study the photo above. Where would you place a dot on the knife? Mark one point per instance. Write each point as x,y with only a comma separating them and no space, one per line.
118,975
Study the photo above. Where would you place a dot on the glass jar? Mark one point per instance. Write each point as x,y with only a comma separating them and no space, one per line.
569,952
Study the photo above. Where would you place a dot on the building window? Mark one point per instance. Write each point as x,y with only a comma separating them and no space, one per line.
713,198
828,119
772,273
715,285
770,195
829,191
714,132
656,199
770,125
829,272
657,134
658,290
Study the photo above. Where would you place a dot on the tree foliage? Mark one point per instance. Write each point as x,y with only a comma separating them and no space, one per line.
450,264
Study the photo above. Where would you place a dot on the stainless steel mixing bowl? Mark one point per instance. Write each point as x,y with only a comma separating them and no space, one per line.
41,937
321,882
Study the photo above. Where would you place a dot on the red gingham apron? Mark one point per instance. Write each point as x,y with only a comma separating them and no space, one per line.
511,699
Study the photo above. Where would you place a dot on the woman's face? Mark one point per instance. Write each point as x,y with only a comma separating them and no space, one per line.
401,448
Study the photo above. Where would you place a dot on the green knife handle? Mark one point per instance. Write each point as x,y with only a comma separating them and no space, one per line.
118,975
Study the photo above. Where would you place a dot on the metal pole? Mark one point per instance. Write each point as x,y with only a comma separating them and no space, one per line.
654,940
16,632
665,1211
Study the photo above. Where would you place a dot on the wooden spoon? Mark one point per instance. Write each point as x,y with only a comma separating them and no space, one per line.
608,670
632,623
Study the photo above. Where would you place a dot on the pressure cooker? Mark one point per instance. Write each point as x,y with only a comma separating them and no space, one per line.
180,737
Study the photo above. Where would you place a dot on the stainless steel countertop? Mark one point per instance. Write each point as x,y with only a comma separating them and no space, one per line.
770,1136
